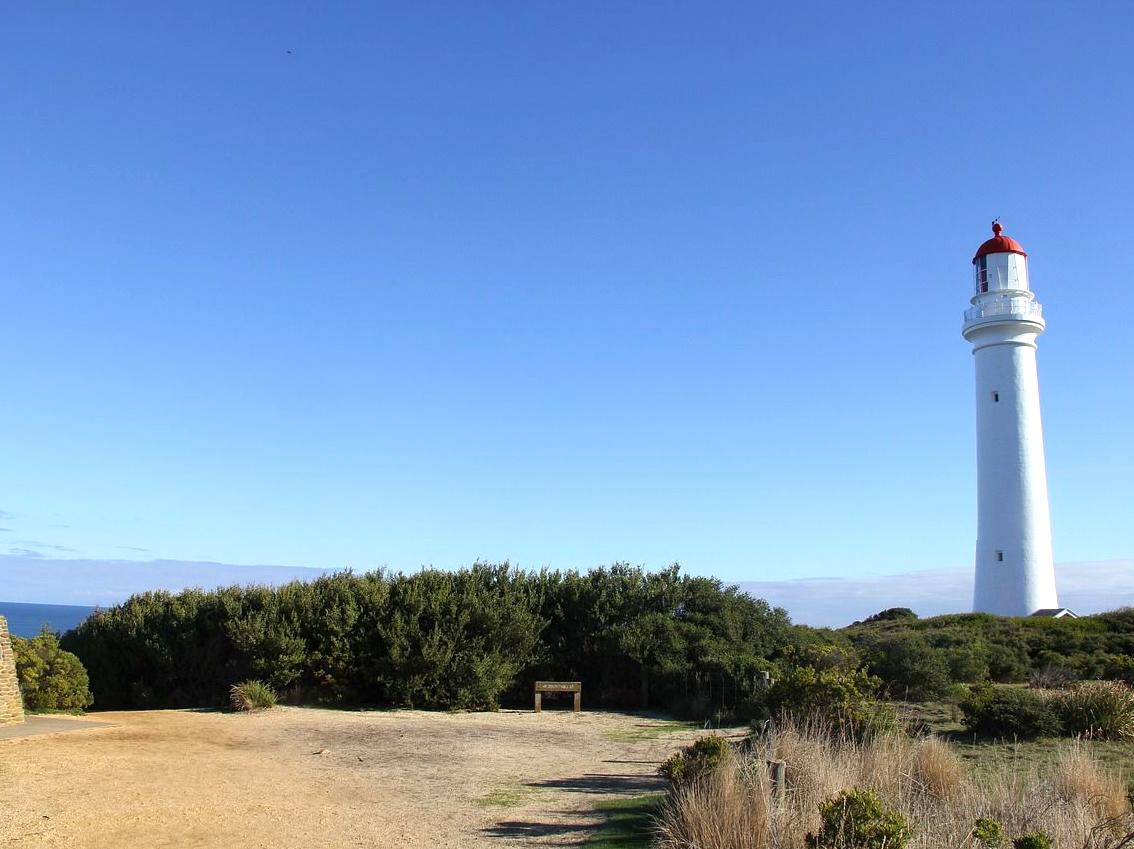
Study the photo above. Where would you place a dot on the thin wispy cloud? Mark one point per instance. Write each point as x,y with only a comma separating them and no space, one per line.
1083,587
37,544
25,552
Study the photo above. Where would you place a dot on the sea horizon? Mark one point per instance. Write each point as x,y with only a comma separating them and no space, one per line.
27,620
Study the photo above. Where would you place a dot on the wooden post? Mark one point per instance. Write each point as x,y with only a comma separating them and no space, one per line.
777,774
578,701
538,701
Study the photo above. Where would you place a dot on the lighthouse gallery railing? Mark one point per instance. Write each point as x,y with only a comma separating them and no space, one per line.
1023,307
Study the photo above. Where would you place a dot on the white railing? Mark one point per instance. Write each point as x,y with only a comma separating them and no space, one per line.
1015,307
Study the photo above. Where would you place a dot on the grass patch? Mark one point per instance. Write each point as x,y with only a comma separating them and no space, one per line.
508,796
627,823
984,756
648,730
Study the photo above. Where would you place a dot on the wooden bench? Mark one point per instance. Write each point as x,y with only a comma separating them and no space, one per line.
542,687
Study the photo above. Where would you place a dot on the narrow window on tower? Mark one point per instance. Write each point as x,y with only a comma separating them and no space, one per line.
995,397
1000,557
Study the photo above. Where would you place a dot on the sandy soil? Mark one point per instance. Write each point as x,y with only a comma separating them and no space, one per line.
296,777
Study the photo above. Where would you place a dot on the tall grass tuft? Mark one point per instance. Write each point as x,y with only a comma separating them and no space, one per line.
1072,798
1082,781
252,695
1097,709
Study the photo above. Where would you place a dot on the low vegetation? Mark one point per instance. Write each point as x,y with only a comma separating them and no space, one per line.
251,695
50,679
626,823
890,790
921,658
1097,710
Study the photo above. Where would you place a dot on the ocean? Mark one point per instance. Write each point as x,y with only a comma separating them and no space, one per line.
26,620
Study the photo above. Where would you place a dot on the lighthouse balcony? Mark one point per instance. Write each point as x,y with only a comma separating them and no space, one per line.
1004,309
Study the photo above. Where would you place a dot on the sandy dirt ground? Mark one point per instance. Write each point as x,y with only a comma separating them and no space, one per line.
297,777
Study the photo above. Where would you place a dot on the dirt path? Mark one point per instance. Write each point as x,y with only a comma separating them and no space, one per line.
311,779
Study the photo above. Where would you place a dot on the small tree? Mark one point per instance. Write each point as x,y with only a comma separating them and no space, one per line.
910,666
50,678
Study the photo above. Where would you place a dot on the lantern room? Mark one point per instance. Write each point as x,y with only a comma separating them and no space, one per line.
1000,265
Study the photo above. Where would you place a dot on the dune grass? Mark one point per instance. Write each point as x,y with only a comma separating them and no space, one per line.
1068,793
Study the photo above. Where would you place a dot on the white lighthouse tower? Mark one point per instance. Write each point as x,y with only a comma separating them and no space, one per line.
1015,572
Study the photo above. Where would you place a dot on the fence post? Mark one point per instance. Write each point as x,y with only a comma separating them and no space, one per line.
777,774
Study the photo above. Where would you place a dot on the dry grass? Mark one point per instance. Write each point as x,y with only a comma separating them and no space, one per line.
1081,804
722,811
1081,781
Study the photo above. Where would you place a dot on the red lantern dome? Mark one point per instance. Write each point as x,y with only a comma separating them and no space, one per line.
999,244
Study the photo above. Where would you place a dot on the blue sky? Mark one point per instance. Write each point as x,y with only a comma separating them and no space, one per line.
362,285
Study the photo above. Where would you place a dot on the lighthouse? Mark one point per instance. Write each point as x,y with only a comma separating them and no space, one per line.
1015,572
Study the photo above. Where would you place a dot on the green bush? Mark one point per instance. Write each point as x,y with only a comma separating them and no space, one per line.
697,760
1009,713
988,833
857,819
50,679
836,696
252,695
1038,840
1097,709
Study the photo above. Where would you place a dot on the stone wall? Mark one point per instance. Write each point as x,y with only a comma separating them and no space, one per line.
11,705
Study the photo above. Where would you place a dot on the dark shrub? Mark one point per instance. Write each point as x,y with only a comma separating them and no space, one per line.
1010,713
910,667
891,614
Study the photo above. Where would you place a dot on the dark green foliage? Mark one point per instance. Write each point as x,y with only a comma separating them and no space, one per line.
50,678
857,819
1039,840
910,668
890,614
697,760
470,639
1009,713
